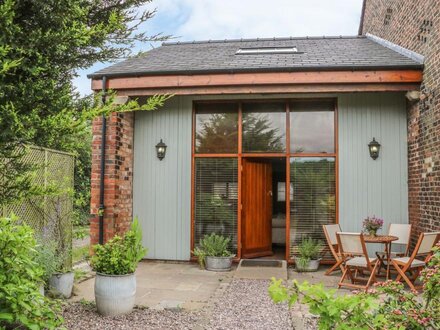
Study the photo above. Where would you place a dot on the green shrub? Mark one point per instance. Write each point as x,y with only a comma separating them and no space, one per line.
21,303
120,255
309,249
201,255
47,259
388,306
215,246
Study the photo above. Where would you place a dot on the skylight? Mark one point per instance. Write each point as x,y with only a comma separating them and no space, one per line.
267,50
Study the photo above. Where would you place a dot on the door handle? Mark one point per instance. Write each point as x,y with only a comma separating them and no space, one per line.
270,193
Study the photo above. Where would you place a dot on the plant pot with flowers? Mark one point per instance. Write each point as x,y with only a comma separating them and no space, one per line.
115,264
371,225
213,253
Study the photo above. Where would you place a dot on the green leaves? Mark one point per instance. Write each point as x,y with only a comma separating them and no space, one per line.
390,308
120,255
42,45
20,278
215,245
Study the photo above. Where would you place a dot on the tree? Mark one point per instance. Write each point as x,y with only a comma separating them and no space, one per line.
259,133
42,44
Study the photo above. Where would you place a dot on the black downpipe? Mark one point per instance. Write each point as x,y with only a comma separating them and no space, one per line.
101,176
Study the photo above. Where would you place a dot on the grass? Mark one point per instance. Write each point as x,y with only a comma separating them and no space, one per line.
80,253
80,232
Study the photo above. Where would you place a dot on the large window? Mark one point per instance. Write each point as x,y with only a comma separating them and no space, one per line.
312,127
216,198
216,128
264,127
303,132
314,198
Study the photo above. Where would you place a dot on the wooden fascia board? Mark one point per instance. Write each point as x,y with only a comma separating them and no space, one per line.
234,80
271,89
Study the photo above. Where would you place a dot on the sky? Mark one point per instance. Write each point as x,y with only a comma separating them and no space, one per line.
188,20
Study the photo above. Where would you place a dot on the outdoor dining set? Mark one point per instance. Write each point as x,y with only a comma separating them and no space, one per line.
360,271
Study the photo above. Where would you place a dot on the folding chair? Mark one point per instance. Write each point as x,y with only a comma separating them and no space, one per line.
330,234
411,264
355,259
403,232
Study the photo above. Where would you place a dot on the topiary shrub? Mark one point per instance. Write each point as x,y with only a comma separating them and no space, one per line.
21,303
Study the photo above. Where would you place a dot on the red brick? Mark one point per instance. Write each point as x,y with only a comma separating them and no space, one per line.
415,25
118,179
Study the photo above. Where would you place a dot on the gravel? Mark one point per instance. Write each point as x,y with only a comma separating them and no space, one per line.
80,316
245,304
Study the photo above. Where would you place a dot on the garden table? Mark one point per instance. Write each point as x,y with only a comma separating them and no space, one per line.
386,240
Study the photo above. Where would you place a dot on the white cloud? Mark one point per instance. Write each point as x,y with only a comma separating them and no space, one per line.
214,19
223,19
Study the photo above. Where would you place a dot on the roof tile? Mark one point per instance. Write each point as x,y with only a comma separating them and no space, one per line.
326,53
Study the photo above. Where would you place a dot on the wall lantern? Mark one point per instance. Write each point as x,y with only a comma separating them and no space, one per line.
161,149
374,148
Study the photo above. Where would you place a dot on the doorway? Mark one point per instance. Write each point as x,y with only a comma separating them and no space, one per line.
264,208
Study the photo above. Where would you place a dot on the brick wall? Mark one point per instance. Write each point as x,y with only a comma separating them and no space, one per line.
118,178
415,24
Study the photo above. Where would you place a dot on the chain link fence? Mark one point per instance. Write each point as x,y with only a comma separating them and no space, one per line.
50,213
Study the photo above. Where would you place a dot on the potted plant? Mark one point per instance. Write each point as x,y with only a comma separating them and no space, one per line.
46,258
115,264
372,224
308,255
61,281
56,239
214,249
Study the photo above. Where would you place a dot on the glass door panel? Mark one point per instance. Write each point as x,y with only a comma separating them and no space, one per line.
314,198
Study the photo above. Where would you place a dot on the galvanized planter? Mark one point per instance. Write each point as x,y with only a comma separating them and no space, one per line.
218,264
62,283
311,267
115,294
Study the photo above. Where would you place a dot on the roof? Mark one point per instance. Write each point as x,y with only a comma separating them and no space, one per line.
219,56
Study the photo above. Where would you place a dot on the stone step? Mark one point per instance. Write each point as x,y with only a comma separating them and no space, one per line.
261,269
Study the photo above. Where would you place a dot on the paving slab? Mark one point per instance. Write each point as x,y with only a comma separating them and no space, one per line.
167,285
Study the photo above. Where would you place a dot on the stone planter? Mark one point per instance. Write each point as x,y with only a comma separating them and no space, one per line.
115,294
218,264
312,266
62,283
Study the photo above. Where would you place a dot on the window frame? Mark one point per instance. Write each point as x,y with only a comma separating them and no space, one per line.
287,155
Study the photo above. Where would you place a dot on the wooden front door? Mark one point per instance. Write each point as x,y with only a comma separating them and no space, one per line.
257,208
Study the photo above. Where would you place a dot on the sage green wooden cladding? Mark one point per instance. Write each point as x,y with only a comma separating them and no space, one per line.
366,186
162,189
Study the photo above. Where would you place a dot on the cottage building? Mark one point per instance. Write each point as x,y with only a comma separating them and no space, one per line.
266,141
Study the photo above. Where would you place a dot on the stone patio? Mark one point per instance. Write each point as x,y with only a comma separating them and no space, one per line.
169,285
165,285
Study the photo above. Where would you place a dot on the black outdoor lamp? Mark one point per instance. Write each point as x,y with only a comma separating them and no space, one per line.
161,149
374,148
